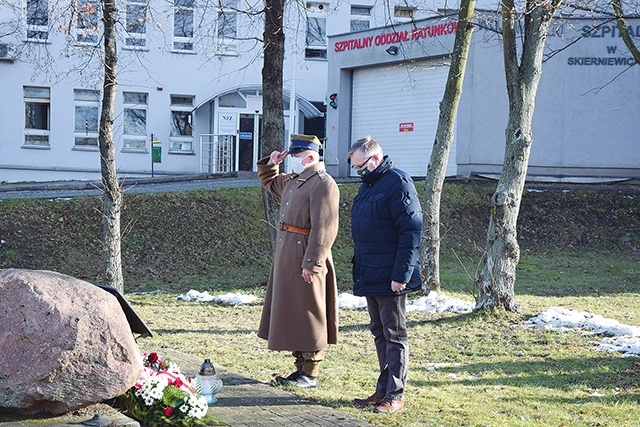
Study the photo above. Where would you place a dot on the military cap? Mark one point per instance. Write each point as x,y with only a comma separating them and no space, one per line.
301,142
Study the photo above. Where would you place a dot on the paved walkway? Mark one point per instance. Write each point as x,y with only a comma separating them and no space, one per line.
246,402
63,189
159,184
242,402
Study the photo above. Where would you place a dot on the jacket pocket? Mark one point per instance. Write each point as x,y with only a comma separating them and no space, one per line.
301,246
377,268
381,207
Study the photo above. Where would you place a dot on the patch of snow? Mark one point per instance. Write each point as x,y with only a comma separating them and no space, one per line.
621,338
346,300
433,303
627,345
230,298
437,303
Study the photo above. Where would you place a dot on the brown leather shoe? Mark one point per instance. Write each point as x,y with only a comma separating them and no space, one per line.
389,406
374,400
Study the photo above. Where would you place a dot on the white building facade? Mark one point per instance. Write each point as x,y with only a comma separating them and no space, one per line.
388,83
189,82
190,72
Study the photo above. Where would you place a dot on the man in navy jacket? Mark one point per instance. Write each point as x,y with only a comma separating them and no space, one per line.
386,227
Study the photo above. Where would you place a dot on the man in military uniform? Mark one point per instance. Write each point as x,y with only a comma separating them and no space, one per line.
300,312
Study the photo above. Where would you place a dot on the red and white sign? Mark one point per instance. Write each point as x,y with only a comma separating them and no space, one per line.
406,127
383,39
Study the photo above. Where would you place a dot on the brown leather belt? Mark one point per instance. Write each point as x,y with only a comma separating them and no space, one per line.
293,229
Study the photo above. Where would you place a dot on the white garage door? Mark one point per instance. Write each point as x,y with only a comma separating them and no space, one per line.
398,106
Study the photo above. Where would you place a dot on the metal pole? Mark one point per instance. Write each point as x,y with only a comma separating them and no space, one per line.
151,155
293,110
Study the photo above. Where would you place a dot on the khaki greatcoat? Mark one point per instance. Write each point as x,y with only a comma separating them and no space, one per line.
298,316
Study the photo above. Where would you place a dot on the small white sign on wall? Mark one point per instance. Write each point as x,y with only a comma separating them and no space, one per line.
227,123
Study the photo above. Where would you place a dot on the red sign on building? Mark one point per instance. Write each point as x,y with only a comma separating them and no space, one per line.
406,127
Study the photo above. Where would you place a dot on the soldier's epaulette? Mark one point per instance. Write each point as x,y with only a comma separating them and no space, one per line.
323,174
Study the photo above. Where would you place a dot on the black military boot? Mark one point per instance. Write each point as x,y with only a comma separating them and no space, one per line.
302,380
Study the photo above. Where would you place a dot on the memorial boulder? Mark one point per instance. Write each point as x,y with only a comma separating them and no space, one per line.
64,344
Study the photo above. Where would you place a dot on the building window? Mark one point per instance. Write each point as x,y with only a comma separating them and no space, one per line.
36,116
136,24
134,129
233,100
87,117
360,18
181,134
37,20
403,13
87,30
316,40
227,30
183,16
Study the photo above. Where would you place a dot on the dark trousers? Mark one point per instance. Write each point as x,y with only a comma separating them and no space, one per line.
389,329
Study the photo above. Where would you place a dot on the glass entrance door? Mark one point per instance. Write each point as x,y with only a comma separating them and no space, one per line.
249,140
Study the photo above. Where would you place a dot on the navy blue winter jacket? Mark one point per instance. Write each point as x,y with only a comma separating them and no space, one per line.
386,227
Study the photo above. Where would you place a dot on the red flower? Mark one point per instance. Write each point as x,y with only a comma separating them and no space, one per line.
178,382
153,358
168,411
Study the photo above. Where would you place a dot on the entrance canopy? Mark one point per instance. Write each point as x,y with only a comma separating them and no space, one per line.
306,107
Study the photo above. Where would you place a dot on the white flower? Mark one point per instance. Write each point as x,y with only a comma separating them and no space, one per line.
199,406
173,367
151,389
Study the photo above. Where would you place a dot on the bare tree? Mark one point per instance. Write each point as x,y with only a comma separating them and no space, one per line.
430,250
272,109
496,281
112,198
74,18
10,25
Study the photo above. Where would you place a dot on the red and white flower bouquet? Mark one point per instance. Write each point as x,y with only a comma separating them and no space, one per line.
162,396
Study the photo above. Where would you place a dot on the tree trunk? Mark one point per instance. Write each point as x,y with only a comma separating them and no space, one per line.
497,278
112,199
624,31
430,252
272,109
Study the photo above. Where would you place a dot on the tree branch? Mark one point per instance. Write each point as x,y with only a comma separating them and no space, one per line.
624,31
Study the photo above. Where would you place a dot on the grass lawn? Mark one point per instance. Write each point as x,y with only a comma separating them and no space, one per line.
479,369
580,249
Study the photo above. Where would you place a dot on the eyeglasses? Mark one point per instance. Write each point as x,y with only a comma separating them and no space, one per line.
358,167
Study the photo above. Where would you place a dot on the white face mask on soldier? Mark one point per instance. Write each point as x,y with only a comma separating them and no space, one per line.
296,164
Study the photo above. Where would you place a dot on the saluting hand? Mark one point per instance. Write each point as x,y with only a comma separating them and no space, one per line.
277,157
